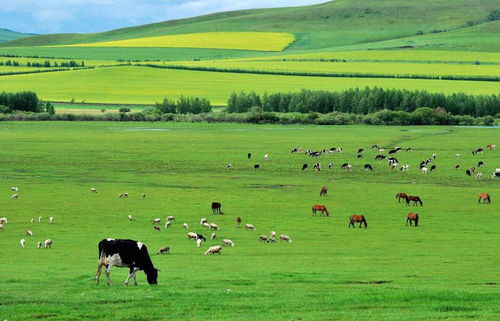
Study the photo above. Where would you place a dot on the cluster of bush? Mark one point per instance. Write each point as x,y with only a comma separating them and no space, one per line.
365,101
45,64
185,105
25,101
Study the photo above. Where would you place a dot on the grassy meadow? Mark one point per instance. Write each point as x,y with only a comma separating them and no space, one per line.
447,268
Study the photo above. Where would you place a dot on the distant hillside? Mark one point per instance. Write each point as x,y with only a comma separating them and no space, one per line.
8,35
331,24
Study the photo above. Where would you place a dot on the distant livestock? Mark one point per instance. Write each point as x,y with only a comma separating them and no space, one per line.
15,196
1,227
357,219
214,226
368,167
39,244
93,190
170,218
304,166
227,242
401,196
185,225
47,244
491,146
213,236
29,232
156,228
123,195
285,238
23,243
322,208
485,197
3,220
412,217
266,157
256,166
214,250
15,189
168,224
125,253
164,250
51,219
263,238
323,191
249,227
157,220
203,220
238,221
415,199
130,218
216,208
192,235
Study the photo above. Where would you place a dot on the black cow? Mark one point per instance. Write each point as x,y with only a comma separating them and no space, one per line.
480,163
360,156
200,237
249,155
409,149
375,146
380,157
256,166
433,167
368,167
125,253
216,208
361,150
393,151
304,166
468,172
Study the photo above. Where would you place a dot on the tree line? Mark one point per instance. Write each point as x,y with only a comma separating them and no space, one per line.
45,64
25,101
185,105
365,101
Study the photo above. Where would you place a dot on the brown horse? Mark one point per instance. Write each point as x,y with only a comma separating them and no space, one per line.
323,191
412,217
238,221
357,218
414,199
400,196
321,208
485,197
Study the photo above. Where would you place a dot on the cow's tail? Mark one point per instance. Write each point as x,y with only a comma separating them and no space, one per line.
101,250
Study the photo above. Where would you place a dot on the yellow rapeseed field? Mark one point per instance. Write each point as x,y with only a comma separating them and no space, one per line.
261,41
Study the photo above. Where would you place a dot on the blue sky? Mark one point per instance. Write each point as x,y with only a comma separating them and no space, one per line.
55,16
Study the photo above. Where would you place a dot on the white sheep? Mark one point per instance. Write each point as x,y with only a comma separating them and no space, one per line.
130,217
39,219
266,157
47,244
168,224
29,232
425,170
457,155
185,225
15,196
192,235
227,242
23,243
213,236
203,220
157,220
93,190
170,218
206,225
143,195
272,240
51,219
3,220
479,175
15,189
229,166
214,250
272,234
198,242
249,227
285,238
39,244
214,226
32,220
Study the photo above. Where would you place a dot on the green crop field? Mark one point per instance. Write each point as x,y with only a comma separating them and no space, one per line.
145,85
447,268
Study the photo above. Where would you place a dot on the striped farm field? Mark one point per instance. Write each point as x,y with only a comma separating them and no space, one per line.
145,85
260,41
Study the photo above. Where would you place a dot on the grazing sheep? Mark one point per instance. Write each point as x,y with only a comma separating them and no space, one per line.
206,225
32,220
263,238
227,242
479,175
23,243
198,242
39,219
457,155
156,228
121,195
47,244
191,235
15,196
213,236
1,227
425,170
15,189
131,218
51,219
168,224
434,156
272,240
143,195
29,232
249,227
214,250
3,220
272,234
185,225
203,220
214,226
229,166
266,157
285,238
170,218
39,245
93,190
164,250
157,220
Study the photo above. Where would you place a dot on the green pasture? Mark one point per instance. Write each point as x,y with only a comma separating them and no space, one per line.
145,85
447,268
79,108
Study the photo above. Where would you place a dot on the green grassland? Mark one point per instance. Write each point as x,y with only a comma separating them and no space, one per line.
145,85
8,35
445,269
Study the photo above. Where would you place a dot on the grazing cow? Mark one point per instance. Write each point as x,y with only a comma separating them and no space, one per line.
468,172
480,163
229,166
322,208
23,243
472,169
168,224
285,238
200,237
400,196
485,197
317,167
361,150
192,235
323,191
266,157
125,253
404,168
412,217
214,250
203,220
433,168
359,156
227,242
164,250
216,208
51,219
130,218
357,218
185,225
304,166
330,165
457,166
256,166
375,146
415,199
238,221
495,175
249,155
39,244
213,236
156,228
249,227
479,175
476,151
368,167
93,190
263,238
29,232
47,244
15,196
491,146
380,157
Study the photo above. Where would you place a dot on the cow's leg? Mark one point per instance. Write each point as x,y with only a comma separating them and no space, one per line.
108,270
135,277
98,274
130,274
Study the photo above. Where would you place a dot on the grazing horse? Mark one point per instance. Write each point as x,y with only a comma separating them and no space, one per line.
414,199
216,208
412,217
321,208
357,218
485,197
400,196
323,191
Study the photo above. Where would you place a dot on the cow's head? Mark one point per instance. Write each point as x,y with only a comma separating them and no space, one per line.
152,276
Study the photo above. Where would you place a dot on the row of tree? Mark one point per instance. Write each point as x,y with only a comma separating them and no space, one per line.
23,101
365,101
185,105
45,64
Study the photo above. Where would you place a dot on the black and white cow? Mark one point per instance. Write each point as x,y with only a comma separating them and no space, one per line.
125,253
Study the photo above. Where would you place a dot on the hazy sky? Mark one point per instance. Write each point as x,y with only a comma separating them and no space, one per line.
54,16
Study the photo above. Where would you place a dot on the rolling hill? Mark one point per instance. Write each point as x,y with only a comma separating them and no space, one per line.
8,35
332,24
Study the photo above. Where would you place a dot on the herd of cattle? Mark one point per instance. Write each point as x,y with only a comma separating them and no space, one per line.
134,254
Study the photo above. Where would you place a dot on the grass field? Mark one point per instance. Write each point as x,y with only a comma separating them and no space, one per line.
445,269
260,41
